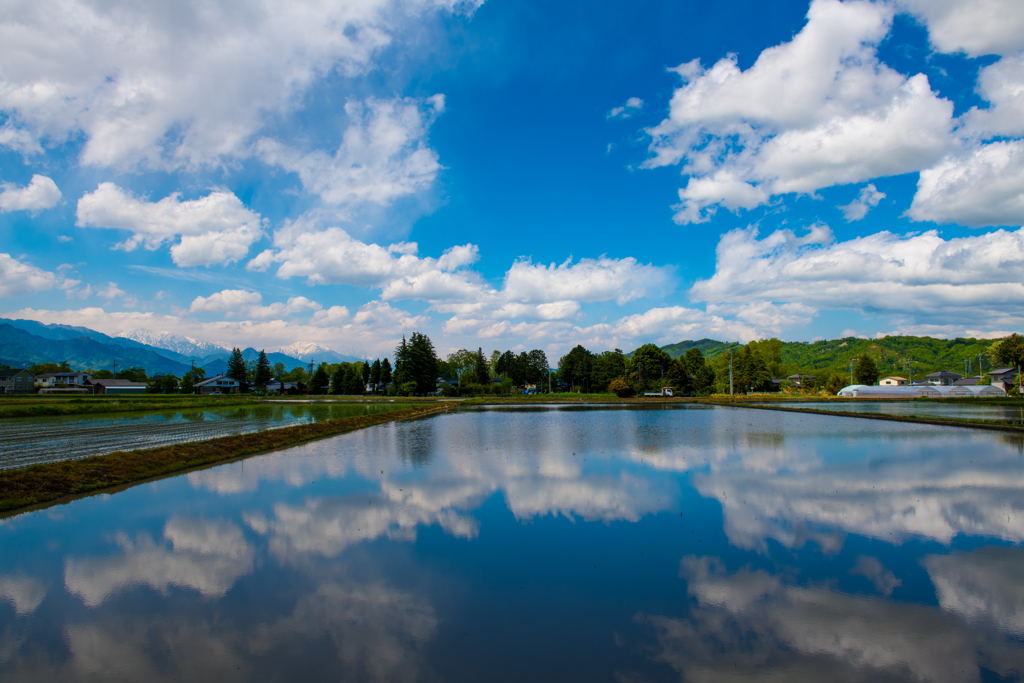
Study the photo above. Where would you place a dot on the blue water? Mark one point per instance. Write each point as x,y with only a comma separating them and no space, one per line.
555,544
960,410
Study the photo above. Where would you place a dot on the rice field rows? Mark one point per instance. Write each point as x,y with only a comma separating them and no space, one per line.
29,441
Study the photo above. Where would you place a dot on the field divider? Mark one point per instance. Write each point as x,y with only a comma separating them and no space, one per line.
941,422
60,481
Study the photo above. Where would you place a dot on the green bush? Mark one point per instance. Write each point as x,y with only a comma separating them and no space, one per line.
621,388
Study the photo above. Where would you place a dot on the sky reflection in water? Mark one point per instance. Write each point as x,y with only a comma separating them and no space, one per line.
542,544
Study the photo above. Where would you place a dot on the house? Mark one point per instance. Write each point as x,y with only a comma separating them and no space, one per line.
276,386
218,384
16,381
966,382
893,382
117,386
800,380
63,380
943,378
1004,378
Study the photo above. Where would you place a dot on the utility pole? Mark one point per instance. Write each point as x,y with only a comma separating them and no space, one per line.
851,372
730,373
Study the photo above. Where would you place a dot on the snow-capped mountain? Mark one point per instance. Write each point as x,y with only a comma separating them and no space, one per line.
307,351
187,346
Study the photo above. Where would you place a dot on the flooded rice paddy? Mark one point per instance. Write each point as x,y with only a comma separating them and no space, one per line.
624,544
27,441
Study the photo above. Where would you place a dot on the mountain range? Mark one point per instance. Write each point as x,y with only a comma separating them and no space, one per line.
27,342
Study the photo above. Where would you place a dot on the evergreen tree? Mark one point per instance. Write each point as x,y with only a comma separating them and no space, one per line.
679,375
385,372
649,363
338,380
608,366
236,366
504,364
366,372
353,380
320,382
375,375
865,371
577,367
422,363
483,376
263,373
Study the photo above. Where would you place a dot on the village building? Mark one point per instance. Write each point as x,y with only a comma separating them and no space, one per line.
893,382
117,386
943,378
218,384
1004,378
63,380
15,381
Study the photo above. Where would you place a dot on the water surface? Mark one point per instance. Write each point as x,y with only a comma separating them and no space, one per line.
1011,414
542,544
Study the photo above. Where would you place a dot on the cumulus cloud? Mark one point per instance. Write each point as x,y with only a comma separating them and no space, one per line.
197,89
867,199
18,277
40,193
977,28
982,187
814,112
923,277
632,106
216,228
246,304
1002,86
985,586
588,280
24,592
383,153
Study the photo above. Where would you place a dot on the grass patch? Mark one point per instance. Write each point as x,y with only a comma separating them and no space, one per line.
44,483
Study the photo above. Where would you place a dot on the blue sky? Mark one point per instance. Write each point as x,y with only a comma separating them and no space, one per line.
513,174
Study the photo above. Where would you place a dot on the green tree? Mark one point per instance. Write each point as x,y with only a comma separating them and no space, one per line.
236,366
679,375
483,375
279,370
385,372
866,371
365,374
338,380
492,363
1010,351
648,363
538,367
833,383
190,378
263,373
133,375
608,366
703,374
353,380
577,367
103,374
43,368
503,363
375,375
320,382
422,363
621,388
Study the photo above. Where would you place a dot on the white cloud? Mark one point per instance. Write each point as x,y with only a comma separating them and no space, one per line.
40,193
867,199
985,586
1002,85
979,27
216,228
983,187
179,85
383,153
245,304
111,291
924,278
588,280
64,239
17,277
632,106
817,111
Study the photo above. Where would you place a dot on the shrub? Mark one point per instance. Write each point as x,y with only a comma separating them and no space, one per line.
621,388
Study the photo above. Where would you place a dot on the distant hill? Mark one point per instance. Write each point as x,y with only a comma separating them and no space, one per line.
24,348
924,354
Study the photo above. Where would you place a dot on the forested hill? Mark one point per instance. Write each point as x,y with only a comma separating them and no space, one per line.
924,353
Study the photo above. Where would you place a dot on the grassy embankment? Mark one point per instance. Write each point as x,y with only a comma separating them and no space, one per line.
48,482
37,406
